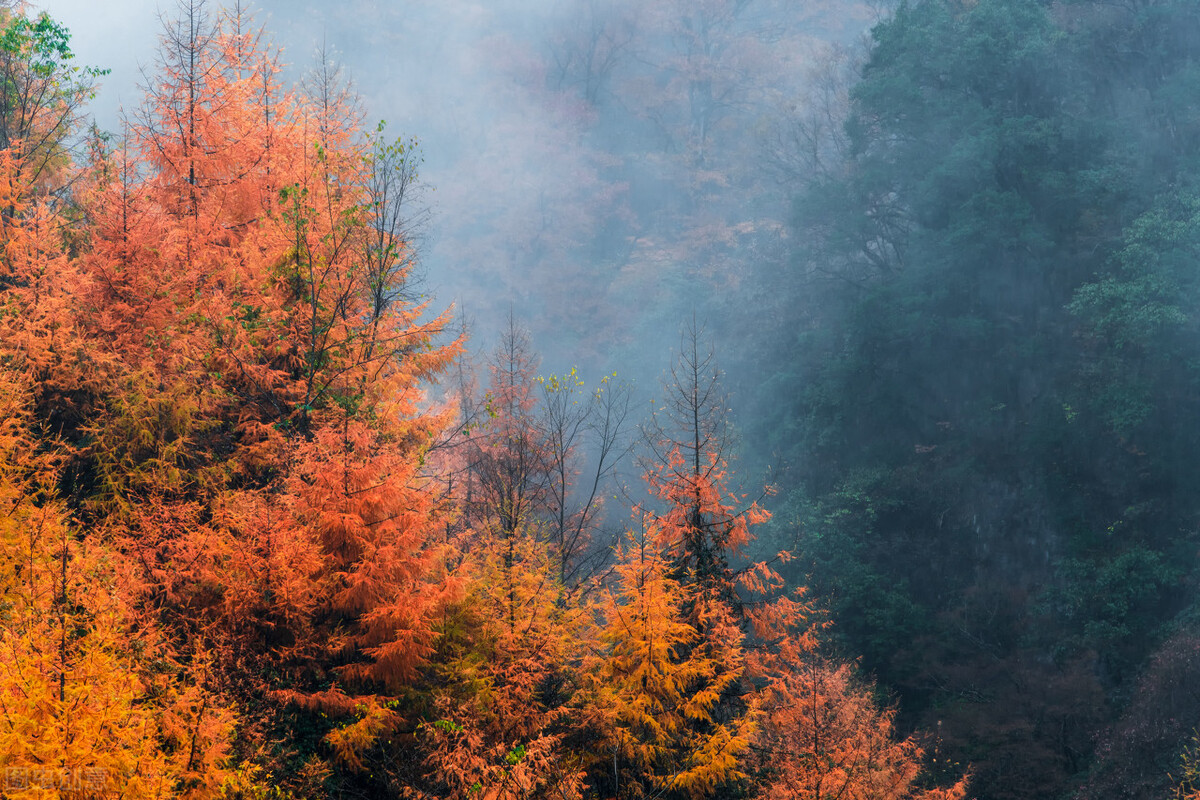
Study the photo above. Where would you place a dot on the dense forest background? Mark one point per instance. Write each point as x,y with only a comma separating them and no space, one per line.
983,384
276,523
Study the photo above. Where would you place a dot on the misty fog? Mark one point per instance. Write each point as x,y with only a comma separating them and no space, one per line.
945,254
577,176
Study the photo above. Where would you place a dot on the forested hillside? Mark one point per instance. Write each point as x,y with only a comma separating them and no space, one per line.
277,523
983,382
245,553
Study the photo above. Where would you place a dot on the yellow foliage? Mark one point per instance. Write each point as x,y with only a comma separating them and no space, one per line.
85,706
659,680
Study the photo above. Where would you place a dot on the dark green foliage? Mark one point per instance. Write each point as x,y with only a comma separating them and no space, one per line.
989,427
876,616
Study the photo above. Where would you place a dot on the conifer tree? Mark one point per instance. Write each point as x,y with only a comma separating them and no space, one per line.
92,700
658,686
259,455
510,719
744,655
824,735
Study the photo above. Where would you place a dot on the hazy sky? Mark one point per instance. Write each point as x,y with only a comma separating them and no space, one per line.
119,37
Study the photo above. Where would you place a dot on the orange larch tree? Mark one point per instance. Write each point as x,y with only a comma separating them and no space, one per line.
766,709
504,687
658,686
260,457
507,720
824,735
93,701
217,493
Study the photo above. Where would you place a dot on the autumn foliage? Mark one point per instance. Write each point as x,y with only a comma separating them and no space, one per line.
244,554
